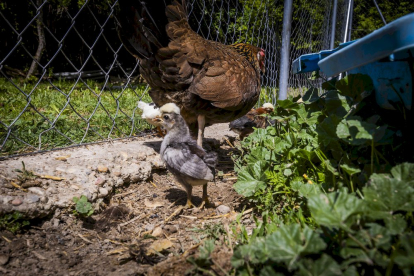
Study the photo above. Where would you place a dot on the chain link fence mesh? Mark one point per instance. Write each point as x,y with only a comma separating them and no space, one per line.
66,79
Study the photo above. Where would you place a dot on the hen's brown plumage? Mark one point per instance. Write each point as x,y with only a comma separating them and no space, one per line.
209,81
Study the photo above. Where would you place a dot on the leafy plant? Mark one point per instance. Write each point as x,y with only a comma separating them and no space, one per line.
335,140
333,184
83,206
13,222
202,262
369,235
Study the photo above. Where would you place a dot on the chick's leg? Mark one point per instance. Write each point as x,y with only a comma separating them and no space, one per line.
206,202
201,119
189,190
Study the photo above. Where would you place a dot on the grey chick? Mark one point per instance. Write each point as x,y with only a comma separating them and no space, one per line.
189,163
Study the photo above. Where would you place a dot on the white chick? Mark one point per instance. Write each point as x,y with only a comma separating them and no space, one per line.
149,112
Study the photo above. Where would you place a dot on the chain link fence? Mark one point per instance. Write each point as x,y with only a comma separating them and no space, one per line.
66,79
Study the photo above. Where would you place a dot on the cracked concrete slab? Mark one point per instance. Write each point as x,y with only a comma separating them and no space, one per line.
53,178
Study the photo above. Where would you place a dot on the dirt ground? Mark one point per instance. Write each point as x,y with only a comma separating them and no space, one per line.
139,229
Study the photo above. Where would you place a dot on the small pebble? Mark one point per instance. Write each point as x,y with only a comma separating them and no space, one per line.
103,192
16,202
102,169
100,181
56,222
4,259
157,232
170,229
149,227
32,198
37,190
223,209
117,173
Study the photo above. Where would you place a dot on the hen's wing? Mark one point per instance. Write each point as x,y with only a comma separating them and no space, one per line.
189,159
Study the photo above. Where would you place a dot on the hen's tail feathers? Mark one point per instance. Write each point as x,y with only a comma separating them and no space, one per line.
177,14
142,24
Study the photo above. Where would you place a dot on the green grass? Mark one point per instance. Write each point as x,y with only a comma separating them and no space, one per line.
82,113
68,113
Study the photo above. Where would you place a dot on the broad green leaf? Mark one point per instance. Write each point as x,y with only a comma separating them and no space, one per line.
258,154
305,117
403,172
277,144
256,252
355,85
349,169
385,196
380,235
251,180
336,104
348,252
307,190
330,84
310,96
405,254
305,154
325,266
327,131
291,242
350,271
396,224
295,185
287,172
287,104
354,131
334,209
269,271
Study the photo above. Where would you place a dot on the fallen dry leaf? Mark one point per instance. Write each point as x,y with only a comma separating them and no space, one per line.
62,158
50,177
17,186
159,246
153,204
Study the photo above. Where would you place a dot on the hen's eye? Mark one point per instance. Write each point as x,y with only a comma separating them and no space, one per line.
166,117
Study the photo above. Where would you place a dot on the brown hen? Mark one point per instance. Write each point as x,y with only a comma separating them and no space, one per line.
210,82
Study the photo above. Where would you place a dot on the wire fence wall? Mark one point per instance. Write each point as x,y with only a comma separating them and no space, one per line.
66,79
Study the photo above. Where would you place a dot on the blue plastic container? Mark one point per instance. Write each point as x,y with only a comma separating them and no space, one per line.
386,55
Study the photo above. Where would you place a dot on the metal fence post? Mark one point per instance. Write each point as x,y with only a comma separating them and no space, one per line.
351,15
333,23
285,54
348,24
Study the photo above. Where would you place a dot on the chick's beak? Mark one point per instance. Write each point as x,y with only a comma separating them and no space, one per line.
158,119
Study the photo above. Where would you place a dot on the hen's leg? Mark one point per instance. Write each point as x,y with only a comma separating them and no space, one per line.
201,119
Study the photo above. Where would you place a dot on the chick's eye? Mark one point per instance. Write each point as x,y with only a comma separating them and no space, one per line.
166,117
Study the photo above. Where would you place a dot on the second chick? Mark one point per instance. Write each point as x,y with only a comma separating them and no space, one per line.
245,125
